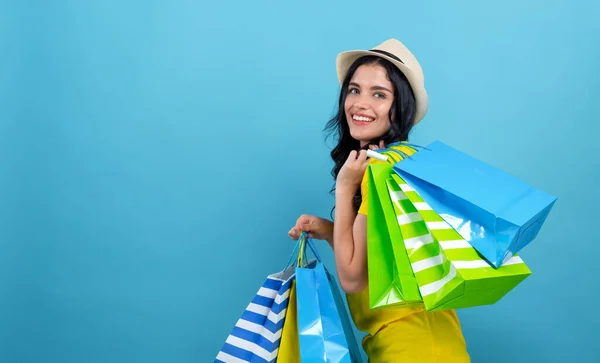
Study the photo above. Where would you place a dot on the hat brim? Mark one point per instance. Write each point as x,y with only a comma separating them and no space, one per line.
345,60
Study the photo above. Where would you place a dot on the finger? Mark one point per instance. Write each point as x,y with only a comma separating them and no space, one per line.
306,227
377,146
300,219
296,234
362,156
293,234
352,156
303,219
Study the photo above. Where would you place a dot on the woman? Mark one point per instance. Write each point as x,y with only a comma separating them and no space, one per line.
382,97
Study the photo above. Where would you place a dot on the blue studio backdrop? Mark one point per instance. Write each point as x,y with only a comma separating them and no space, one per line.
154,154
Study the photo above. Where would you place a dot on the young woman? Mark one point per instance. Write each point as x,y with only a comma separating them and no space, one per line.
382,97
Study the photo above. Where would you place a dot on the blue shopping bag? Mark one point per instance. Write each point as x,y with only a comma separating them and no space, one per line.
257,334
495,212
324,328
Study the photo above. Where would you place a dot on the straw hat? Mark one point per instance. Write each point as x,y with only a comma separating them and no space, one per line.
395,52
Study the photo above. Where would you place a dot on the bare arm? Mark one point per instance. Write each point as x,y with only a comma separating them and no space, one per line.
350,229
350,244
347,235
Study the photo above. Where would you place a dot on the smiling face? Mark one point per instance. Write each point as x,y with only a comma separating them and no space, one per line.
368,101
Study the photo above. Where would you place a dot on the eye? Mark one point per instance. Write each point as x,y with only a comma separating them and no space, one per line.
379,95
353,90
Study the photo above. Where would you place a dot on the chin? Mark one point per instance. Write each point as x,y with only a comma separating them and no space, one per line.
364,137
363,141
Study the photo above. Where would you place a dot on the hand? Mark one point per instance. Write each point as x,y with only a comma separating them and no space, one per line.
352,172
377,147
316,227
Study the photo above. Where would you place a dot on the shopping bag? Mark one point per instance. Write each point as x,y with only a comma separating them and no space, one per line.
495,212
391,279
257,334
450,273
324,328
289,348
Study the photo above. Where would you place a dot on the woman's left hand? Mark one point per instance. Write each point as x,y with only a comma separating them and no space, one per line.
353,170
377,147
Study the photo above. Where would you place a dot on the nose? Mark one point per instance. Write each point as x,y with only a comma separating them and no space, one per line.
361,102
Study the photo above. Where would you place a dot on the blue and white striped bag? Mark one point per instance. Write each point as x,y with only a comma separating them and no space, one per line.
257,334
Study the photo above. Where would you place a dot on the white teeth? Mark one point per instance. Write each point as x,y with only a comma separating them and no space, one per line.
361,118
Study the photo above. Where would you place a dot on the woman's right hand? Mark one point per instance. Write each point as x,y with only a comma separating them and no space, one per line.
316,227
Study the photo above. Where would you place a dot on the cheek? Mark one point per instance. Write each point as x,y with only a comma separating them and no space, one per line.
347,105
383,112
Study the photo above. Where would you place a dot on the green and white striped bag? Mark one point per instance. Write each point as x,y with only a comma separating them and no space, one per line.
449,271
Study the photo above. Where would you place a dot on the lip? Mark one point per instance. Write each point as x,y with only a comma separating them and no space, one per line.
362,123
363,115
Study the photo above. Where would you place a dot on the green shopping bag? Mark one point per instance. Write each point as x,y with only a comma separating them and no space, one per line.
391,280
450,273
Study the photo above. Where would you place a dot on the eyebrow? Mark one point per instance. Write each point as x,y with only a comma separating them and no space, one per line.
374,88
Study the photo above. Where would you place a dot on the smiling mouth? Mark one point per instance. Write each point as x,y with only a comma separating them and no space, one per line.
362,120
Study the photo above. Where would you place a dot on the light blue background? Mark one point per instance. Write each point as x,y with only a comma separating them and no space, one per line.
154,154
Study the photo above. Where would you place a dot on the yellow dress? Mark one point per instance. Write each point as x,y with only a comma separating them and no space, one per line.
406,334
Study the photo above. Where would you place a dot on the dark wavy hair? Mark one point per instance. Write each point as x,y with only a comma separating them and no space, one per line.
403,109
